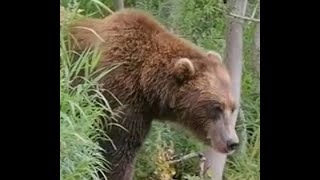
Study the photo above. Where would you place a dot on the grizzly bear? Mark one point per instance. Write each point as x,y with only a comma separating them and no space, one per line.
160,76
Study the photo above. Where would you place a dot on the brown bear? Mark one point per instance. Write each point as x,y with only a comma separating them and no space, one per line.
161,76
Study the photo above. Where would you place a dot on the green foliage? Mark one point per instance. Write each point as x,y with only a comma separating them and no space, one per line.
196,20
247,166
164,138
81,108
91,8
79,153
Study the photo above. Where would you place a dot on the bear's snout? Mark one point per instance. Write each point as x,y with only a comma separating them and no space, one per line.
232,145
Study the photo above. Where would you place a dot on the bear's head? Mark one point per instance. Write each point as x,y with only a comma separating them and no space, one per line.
203,102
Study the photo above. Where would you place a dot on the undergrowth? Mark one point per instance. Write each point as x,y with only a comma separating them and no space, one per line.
82,107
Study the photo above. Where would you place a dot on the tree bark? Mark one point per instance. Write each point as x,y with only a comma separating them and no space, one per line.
214,164
233,59
118,4
256,47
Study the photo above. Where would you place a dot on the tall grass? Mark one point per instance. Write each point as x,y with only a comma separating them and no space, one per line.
82,107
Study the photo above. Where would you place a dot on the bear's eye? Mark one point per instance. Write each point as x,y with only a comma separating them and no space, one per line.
215,111
218,109
233,109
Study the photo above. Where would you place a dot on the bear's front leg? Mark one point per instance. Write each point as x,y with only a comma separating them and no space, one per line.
127,141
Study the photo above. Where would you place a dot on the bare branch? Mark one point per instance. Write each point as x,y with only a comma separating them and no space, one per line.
244,17
255,10
238,16
202,167
244,8
188,156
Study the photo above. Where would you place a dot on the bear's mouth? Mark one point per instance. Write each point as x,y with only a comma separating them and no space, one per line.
218,146
222,148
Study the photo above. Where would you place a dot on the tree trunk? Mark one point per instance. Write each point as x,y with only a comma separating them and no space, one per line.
118,4
256,47
214,164
233,60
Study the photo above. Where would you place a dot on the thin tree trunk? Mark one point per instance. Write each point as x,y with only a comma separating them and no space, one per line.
242,133
256,47
118,4
234,48
234,61
214,164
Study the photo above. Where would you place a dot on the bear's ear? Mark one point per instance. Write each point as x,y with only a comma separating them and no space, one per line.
214,56
183,69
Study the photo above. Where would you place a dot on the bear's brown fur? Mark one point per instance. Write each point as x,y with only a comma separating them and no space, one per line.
162,77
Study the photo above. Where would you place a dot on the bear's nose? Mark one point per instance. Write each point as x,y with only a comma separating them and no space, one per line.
231,145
